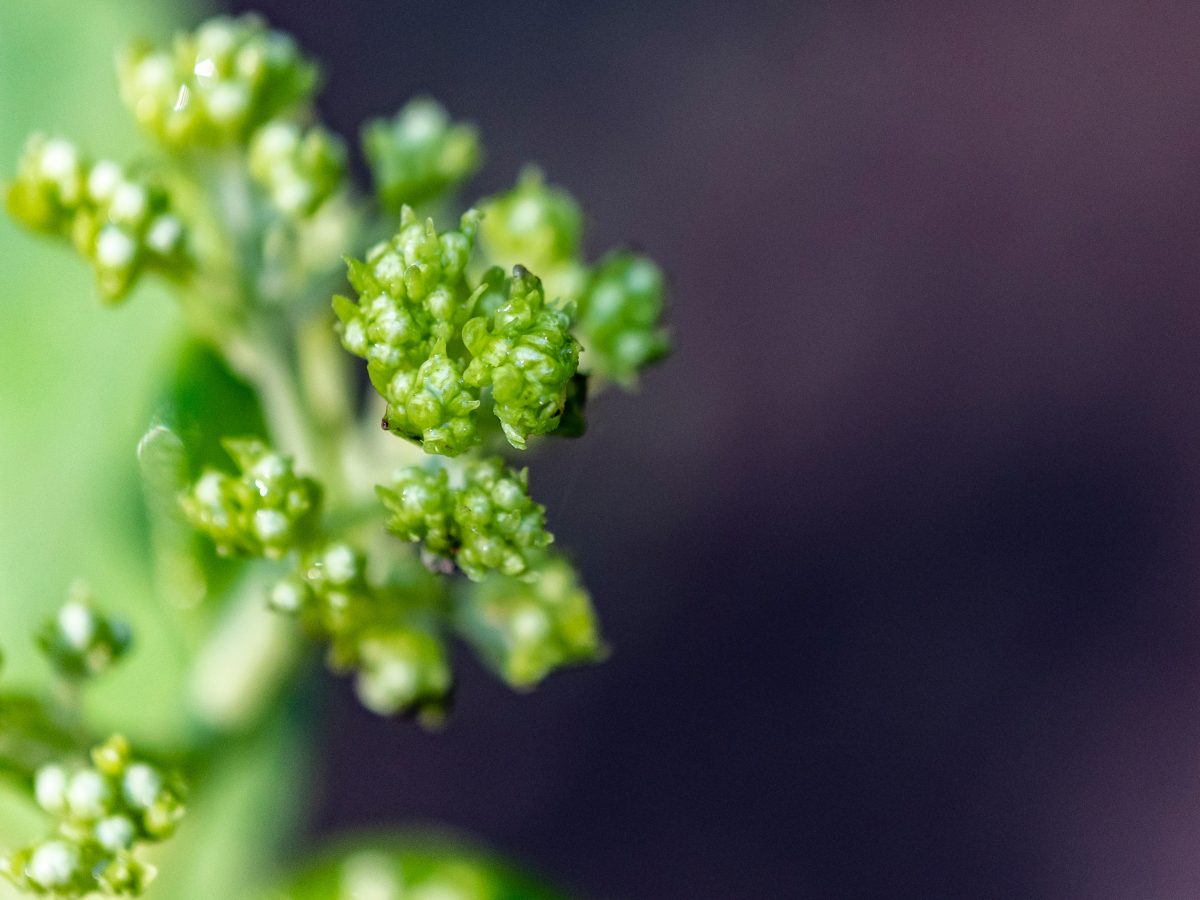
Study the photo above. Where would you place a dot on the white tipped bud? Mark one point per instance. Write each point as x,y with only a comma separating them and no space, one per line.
50,788
53,864
114,248
88,794
141,785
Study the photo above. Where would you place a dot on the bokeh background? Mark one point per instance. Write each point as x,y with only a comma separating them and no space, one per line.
900,553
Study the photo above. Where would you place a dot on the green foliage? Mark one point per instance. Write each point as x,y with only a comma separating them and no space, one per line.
247,216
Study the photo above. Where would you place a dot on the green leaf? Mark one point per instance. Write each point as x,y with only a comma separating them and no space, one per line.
413,865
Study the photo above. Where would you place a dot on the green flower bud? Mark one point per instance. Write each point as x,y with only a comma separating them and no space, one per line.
422,510
298,170
500,527
412,301
484,520
402,669
525,352
266,510
619,316
420,154
123,225
527,628
215,86
81,642
103,811
533,224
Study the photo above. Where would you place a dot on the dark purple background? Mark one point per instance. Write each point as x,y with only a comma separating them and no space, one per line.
899,553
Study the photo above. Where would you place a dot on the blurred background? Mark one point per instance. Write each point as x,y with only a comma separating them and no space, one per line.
898,555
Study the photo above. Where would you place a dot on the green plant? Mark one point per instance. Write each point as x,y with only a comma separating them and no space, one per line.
265,485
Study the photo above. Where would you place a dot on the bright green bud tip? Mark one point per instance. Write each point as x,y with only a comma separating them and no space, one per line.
525,352
527,628
216,85
122,224
420,154
265,510
483,518
299,170
81,642
619,317
534,224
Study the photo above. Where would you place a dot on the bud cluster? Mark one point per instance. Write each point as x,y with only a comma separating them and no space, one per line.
265,510
420,154
122,224
401,662
104,811
298,170
413,299
525,353
620,300
485,520
81,642
215,86
525,629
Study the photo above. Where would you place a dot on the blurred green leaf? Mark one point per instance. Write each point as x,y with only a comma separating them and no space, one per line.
412,866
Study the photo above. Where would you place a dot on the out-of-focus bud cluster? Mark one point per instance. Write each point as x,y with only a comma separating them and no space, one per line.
412,299
104,811
620,301
121,223
377,631
420,154
619,315
483,518
216,85
265,510
527,628
80,641
525,352
298,170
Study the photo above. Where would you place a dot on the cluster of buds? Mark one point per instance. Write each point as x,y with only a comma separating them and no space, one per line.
484,519
420,154
265,510
80,641
400,663
538,226
215,86
619,315
525,353
298,170
121,223
104,811
413,299
526,629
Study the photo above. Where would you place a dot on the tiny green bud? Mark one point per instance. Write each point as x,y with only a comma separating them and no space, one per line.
533,224
619,315
400,670
298,170
420,154
527,628
525,352
81,642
